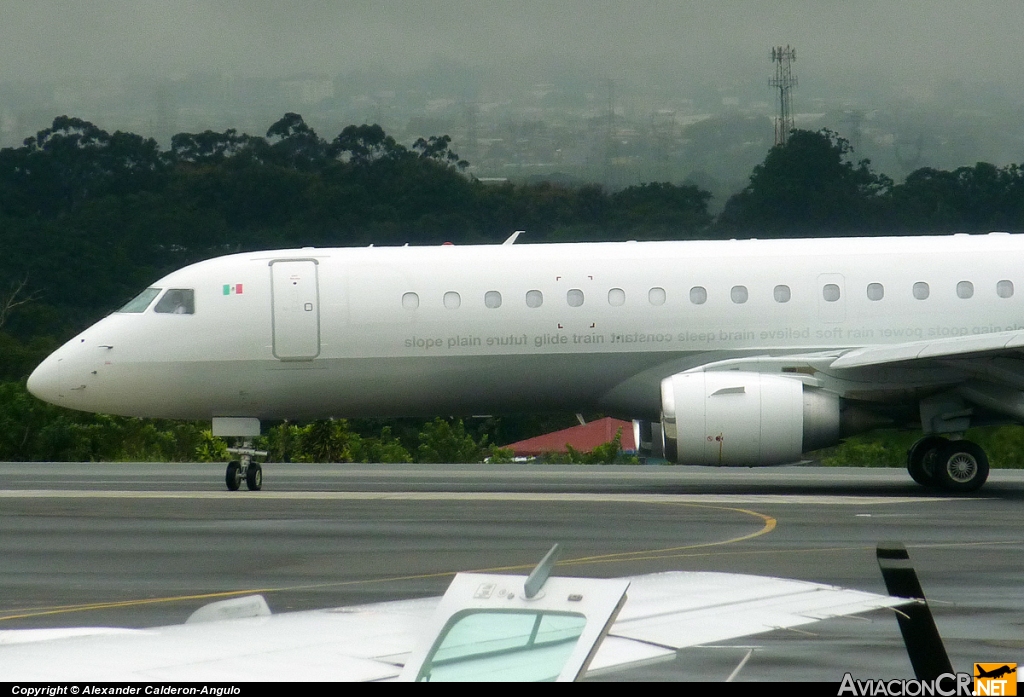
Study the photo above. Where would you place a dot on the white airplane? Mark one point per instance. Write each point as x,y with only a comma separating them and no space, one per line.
738,353
486,627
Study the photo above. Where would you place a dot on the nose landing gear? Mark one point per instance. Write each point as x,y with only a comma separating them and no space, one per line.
233,476
244,468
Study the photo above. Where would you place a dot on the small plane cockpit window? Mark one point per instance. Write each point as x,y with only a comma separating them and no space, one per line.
616,297
534,298
876,291
492,299
495,644
739,294
830,291
921,290
141,301
782,294
452,300
698,295
177,301
410,301
1004,289
656,296
574,297
964,290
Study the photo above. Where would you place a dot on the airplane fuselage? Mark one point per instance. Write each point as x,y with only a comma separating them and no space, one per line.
312,333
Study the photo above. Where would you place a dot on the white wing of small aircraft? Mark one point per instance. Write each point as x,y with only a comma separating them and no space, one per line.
486,627
742,352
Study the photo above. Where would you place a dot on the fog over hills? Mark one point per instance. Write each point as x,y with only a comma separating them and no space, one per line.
615,92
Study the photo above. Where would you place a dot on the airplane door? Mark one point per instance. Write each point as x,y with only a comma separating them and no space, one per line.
831,297
295,298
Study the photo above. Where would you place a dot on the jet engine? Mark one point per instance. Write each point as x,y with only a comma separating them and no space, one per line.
745,419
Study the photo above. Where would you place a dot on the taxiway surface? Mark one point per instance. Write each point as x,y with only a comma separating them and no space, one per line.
146,544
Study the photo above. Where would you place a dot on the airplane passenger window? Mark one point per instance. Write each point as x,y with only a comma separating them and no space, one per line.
698,295
739,294
177,301
410,301
656,296
616,297
782,294
574,297
452,300
534,298
1004,289
921,290
964,290
875,291
830,291
141,301
492,299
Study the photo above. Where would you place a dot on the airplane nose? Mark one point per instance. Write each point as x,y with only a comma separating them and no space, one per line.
44,382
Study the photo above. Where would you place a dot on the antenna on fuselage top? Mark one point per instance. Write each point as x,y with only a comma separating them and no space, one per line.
535,581
513,237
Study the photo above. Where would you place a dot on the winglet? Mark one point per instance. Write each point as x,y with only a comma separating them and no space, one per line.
921,636
535,581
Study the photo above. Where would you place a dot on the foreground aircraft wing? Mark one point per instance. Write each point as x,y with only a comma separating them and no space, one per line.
239,640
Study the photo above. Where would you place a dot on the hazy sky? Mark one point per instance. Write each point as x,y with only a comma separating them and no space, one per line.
910,42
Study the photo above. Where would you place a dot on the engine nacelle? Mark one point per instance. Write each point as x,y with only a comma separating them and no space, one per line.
648,438
745,419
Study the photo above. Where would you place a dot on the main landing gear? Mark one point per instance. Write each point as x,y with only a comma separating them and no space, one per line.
950,465
244,468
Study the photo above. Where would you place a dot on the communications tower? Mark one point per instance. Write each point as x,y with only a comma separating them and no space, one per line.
785,81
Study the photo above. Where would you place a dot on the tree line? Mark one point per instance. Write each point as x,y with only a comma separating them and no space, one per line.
88,218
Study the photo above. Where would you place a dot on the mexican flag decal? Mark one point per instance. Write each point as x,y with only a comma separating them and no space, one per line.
235,289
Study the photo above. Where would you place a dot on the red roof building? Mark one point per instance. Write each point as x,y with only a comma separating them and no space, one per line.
583,438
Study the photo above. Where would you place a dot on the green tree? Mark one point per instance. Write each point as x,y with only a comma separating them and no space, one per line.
363,145
807,186
327,440
981,198
660,211
207,147
74,161
210,448
296,144
384,448
436,148
448,442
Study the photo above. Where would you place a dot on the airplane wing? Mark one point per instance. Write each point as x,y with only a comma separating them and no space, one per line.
977,346
239,640
986,370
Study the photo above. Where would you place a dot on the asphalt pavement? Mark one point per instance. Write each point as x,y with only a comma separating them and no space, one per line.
145,544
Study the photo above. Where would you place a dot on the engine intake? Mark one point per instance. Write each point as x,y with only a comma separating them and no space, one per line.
737,418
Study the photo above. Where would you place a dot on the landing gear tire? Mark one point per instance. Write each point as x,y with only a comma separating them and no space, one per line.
921,459
961,466
254,477
233,475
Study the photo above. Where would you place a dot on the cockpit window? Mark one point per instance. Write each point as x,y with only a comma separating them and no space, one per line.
503,645
141,301
177,301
